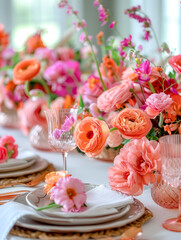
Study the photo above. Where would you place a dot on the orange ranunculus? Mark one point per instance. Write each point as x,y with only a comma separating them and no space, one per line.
175,108
51,180
34,42
90,136
25,70
175,63
132,123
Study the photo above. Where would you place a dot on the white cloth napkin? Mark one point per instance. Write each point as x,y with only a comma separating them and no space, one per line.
99,200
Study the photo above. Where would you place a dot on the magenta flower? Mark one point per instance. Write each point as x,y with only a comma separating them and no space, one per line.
80,25
112,24
147,35
96,3
144,71
127,42
57,133
103,15
69,192
62,4
45,54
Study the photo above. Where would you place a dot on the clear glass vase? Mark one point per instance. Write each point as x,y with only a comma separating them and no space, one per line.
163,194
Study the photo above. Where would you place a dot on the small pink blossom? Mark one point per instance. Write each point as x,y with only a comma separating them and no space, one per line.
114,139
144,71
127,42
147,35
156,103
112,24
69,192
3,154
56,133
80,25
69,121
62,3
9,143
69,10
19,93
45,54
8,53
83,37
140,47
103,15
96,3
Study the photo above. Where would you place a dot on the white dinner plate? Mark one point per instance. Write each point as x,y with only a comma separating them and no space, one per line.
37,199
19,165
39,165
70,221
136,211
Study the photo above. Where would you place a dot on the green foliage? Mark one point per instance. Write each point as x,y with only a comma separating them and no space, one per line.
116,57
172,74
16,59
152,135
81,105
125,141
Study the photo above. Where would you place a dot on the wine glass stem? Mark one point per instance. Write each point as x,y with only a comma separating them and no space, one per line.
64,154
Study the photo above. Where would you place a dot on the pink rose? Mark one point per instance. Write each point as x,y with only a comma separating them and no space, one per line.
9,143
124,179
156,103
3,154
58,103
110,98
114,139
143,156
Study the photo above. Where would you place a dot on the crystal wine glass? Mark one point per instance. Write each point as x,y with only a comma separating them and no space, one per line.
61,125
171,172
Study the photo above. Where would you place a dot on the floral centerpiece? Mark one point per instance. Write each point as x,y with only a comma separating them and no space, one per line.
130,102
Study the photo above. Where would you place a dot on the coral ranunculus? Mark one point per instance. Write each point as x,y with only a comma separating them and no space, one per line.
25,70
125,180
132,123
118,94
90,136
3,154
175,63
34,42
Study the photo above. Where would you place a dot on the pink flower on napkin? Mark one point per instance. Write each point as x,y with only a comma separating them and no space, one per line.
3,154
69,192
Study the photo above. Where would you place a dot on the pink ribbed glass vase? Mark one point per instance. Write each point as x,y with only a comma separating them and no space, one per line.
163,194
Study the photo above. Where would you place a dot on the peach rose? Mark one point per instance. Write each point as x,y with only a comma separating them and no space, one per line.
51,180
132,123
107,101
90,136
114,139
143,156
125,180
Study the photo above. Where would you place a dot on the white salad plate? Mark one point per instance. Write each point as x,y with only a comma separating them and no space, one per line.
37,199
136,211
37,216
39,165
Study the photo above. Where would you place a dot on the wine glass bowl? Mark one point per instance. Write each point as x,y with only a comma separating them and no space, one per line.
170,146
61,125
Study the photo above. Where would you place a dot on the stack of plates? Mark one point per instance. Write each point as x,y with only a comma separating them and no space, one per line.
53,220
25,163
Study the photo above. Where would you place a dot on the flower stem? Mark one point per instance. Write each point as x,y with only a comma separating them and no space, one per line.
113,129
51,205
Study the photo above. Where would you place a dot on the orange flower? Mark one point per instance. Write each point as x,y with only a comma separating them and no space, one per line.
34,42
4,37
93,81
100,38
10,86
69,101
174,109
51,180
132,123
90,136
175,63
25,70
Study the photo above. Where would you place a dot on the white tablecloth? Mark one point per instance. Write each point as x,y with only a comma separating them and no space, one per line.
94,171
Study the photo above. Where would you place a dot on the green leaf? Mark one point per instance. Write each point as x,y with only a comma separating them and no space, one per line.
125,141
151,87
16,59
113,129
101,118
115,56
108,47
152,135
81,105
6,68
172,74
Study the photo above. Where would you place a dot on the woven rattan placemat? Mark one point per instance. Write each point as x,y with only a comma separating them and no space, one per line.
22,232
6,182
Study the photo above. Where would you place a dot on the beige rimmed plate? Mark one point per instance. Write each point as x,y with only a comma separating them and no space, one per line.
39,165
38,199
136,211
37,216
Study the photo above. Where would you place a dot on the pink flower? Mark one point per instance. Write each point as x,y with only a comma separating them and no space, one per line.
63,77
58,103
96,3
83,37
116,95
127,42
114,139
19,94
32,114
3,154
147,35
45,54
103,15
62,4
112,24
94,110
156,103
9,143
144,71
143,156
65,53
8,53
69,192
124,179
80,25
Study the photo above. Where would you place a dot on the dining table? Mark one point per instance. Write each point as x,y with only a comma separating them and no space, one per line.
94,171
